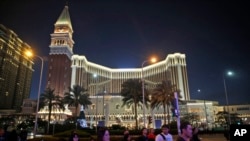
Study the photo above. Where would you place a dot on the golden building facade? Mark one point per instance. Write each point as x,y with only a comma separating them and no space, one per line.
102,80
82,71
89,75
15,70
104,85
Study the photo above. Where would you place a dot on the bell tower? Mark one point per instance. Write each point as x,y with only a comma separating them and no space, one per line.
61,50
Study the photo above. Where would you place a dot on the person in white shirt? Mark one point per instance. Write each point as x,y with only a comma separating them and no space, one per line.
164,135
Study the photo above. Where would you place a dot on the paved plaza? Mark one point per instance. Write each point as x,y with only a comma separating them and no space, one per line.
213,137
205,137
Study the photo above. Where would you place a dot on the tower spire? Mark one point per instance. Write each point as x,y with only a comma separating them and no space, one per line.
66,3
61,50
64,19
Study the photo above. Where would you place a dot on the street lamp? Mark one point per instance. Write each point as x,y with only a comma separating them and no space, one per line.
103,104
205,109
29,54
143,92
96,84
96,96
229,73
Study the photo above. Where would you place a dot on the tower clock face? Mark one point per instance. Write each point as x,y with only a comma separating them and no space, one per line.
65,29
62,29
59,29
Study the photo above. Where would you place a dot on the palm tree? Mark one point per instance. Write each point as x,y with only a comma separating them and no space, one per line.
132,95
190,117
52,101
235,118
77,96
163,94
222,118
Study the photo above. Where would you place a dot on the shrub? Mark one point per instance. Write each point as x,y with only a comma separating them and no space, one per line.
81,134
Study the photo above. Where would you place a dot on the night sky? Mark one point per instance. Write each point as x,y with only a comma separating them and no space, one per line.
122,34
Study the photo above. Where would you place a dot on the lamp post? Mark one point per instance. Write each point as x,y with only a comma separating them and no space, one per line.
96,109
39,89
143,91
103,104
205,109
229,73
38,94
96,96
96,90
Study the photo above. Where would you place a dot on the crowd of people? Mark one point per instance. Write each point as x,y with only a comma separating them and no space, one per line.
11,134
187,134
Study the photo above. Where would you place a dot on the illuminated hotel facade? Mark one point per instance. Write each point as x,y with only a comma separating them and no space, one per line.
67,69
103,83
89,75
16,70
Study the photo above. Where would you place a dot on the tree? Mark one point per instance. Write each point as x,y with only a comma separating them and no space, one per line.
190,117
28,124
235,119
132,95
163,94
52,101
77,96
6,121
223,118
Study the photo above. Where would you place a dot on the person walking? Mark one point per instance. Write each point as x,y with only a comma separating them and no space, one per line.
164,135
126,132
226,133
151,134
126,137
2,135
143,136
91,139
23,135
13,136
103,135
186,132
195,136
74,136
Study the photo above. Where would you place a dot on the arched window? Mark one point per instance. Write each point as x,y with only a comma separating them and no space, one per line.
93,106
117,106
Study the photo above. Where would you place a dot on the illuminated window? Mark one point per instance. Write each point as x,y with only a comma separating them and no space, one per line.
93,106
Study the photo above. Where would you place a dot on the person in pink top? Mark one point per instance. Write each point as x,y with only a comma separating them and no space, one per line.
74,136
103,135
